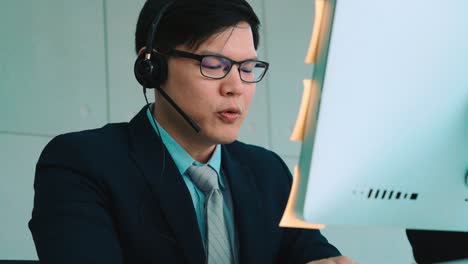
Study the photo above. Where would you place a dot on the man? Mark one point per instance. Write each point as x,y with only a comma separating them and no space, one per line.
157,191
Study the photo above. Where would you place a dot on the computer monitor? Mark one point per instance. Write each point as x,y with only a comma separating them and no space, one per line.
389,144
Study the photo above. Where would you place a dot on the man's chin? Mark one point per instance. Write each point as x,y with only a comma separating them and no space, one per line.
227,139
226,142
225,136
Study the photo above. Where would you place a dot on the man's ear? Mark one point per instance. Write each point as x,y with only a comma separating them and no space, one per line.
141,51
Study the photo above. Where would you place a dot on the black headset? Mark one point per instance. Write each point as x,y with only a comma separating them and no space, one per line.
151,67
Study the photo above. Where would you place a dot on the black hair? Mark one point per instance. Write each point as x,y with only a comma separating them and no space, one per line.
191,22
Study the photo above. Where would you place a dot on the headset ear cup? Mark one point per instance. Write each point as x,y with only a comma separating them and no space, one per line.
159,70
151,73
143,69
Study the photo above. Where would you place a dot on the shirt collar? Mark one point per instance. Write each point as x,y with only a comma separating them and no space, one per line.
181,158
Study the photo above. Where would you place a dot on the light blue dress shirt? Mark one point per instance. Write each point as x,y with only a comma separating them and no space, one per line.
183,161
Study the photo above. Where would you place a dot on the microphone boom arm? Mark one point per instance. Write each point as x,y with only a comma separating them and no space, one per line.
177,108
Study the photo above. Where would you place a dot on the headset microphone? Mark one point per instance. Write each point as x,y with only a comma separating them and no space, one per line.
151,69
177,108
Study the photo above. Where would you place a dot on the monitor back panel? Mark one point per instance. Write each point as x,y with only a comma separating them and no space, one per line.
391,141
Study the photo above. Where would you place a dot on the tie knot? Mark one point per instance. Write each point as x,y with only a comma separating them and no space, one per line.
204,177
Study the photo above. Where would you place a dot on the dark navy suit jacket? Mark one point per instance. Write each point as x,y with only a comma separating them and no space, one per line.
110,195
437,246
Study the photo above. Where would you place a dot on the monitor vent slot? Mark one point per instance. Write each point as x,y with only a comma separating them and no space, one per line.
386,194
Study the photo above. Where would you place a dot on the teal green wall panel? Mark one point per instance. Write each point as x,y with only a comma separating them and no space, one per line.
289,27
52,77
256,128
18,156
125,93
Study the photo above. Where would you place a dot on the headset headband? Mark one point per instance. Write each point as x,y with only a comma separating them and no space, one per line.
152,32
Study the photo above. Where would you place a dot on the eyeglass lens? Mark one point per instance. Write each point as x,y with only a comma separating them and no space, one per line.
219,67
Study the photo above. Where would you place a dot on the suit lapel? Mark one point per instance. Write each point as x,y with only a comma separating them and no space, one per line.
248,214
167,186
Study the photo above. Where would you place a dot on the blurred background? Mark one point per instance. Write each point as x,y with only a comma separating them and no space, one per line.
67,65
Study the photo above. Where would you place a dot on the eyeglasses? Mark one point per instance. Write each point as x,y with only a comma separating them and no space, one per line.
217,66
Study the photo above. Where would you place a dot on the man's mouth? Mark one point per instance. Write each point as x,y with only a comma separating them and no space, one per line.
229,115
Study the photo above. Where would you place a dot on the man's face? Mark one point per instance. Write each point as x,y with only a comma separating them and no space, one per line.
217,106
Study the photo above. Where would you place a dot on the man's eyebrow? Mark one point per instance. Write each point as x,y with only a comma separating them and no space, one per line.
206,52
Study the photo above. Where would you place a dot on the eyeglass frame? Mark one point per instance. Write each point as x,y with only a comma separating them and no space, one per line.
198,57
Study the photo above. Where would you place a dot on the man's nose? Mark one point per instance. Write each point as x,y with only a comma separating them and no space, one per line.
233,85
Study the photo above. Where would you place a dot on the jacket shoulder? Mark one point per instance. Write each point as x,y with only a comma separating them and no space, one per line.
252,154
249,151
75,146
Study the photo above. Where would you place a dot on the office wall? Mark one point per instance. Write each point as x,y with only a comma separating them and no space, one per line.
68,65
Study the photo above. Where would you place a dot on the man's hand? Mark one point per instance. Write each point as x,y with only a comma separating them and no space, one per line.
336,260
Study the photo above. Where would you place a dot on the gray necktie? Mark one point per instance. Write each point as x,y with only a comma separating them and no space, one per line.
218,246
